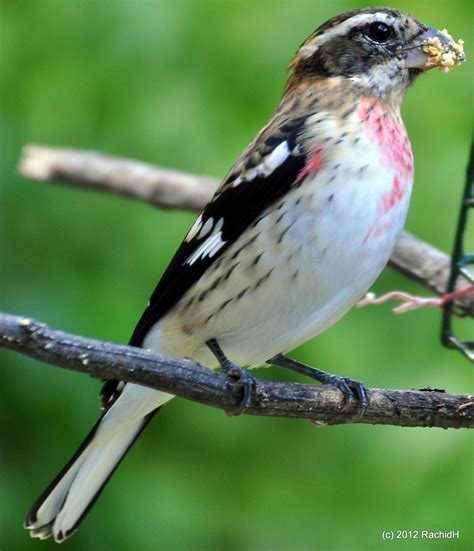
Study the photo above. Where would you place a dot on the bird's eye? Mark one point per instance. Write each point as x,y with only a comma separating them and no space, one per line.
378,31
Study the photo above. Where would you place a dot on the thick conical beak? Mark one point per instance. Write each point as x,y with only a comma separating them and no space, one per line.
435,48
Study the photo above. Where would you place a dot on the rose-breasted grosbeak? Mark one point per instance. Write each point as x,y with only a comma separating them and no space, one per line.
297,232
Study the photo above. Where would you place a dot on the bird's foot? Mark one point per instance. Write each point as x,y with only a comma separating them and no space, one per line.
350,388
243,378
240,375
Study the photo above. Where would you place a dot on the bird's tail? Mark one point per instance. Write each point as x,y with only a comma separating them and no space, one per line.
67,500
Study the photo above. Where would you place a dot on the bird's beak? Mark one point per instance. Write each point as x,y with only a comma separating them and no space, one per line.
433,48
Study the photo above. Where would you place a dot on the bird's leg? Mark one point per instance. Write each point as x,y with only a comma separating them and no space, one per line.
241,375
347,386
411,302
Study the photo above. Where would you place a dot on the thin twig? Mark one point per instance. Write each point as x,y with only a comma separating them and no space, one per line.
167,188
186,378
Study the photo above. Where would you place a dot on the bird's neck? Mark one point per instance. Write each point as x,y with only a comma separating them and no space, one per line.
333,93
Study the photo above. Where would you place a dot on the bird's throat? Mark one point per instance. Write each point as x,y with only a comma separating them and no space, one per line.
386,129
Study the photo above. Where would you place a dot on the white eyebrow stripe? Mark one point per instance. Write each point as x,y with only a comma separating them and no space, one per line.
209,248
307,50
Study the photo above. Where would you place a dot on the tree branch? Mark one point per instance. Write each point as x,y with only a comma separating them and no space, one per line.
160,187
172,189
167,188
186,378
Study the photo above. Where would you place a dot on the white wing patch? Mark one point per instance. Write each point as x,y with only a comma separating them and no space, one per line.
212,244
214,241
276,158
206,228
208,248
194,230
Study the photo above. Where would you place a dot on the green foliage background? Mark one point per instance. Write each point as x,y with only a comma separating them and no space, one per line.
187,84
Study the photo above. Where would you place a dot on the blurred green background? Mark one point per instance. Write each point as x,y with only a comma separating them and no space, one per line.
187,84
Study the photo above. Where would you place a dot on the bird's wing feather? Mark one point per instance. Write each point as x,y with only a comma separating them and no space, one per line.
262,175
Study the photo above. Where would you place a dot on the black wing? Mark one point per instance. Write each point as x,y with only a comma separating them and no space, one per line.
264,173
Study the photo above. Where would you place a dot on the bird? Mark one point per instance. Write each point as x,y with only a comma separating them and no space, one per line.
295,235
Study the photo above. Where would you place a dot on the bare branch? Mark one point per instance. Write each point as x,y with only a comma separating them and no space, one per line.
161,187
188,379
167,188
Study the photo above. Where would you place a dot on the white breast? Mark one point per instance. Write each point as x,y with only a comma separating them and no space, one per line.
305,264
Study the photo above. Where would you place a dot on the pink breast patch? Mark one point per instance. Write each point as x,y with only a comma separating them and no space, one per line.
312,166
390,199
388,132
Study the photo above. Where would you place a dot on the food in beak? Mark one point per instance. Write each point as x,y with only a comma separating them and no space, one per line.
446,54
435,49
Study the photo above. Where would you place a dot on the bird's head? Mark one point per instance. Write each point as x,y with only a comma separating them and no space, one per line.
378,51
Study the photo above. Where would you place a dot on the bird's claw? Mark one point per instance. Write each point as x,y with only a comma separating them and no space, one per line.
245,381
350,389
